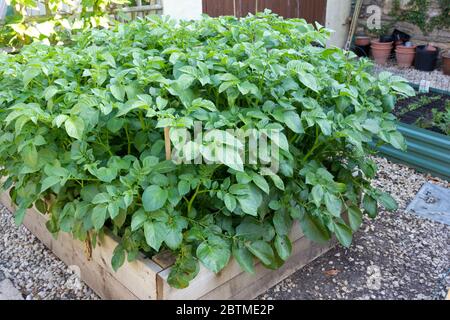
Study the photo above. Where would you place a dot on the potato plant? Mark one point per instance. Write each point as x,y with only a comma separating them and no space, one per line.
82,138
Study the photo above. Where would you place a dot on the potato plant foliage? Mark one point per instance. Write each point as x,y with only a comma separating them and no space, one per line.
82,137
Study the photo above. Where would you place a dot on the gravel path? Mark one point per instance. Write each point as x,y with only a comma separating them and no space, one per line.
34,269
437,79
397,256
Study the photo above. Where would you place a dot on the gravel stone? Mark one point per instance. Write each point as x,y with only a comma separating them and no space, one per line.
396,256
437,79
32,268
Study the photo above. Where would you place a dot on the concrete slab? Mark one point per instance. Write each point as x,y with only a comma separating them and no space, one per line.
432,202
8,291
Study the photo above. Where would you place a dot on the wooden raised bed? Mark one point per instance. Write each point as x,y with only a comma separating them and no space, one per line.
147,278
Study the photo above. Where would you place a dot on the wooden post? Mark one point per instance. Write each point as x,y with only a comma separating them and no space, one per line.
167,143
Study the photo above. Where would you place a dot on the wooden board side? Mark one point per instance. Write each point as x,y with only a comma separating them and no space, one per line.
247,286
207,280
135,280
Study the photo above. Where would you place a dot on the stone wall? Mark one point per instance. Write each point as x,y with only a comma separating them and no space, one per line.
438,37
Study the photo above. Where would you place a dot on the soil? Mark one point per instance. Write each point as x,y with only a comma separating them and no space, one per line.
420,108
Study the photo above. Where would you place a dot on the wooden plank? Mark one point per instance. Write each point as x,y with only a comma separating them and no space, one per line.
248,286
71,252
216,8
142,8
137,277
313,10
243,8
206,280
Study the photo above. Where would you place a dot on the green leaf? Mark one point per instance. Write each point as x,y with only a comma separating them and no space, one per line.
30,156
282,222
113,209
250,228
138,219
314,229
277,181
283,246
75,127
245,259
185,269
388,202
118,258
403,88
333,204
263,251
30,74
99,216
118,92
50,92
230,201
49,182
293,121
370,205
308,80
250,200
354,217
343,234
174,238
155,233
154,198
214,254
397,140
261,182
317,194
102,197
184,187
19,215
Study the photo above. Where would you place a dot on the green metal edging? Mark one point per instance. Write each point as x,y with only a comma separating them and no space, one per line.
427,151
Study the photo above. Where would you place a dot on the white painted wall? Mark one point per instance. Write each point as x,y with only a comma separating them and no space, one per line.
338,12
183,9
2,9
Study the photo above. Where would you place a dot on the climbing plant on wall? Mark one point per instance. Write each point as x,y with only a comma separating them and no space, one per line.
416,13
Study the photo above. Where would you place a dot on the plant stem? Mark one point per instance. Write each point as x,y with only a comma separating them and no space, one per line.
128,139
315,146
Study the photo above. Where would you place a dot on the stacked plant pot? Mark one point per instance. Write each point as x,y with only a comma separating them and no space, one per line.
405,55
381,51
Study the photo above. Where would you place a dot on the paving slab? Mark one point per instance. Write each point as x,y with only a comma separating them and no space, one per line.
432,202
8,291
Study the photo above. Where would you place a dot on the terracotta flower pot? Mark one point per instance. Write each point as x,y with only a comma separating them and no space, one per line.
405,56
406,49
446,63
361,41
381,51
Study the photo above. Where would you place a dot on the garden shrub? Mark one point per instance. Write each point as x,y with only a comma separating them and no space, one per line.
83,140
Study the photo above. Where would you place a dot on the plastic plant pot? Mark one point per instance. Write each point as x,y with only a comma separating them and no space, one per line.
426,59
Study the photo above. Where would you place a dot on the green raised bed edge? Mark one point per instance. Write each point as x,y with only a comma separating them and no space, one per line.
427,151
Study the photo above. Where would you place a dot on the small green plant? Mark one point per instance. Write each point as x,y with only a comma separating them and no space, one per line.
422,101
82,138
439,120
